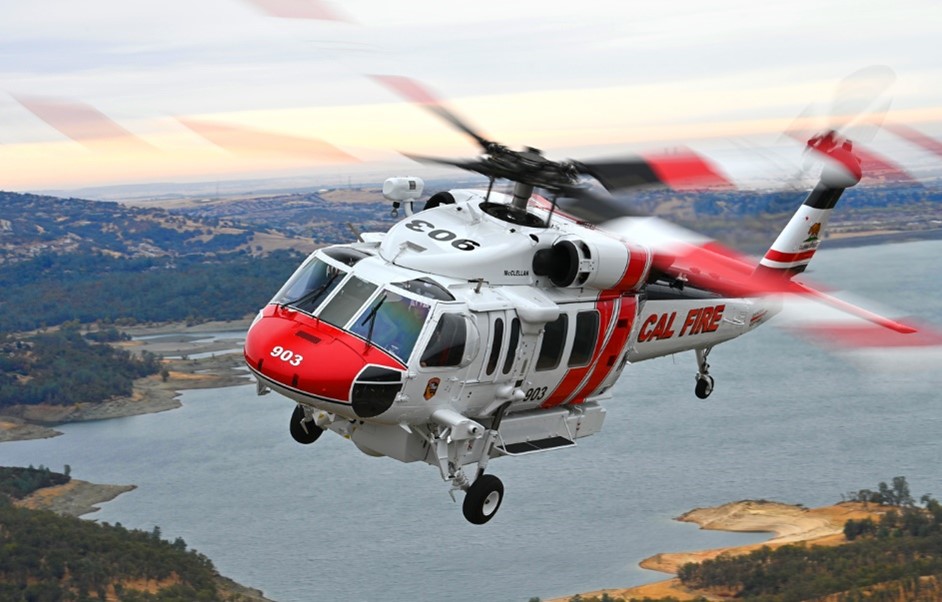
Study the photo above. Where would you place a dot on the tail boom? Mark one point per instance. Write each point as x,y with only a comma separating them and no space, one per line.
796,244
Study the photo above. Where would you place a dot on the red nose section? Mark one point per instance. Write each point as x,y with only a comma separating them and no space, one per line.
306,355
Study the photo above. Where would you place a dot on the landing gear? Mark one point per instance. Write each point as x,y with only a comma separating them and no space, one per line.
704,386
302,428
483,499
456,442
704,381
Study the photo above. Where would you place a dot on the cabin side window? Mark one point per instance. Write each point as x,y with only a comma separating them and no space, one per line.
584,339
512,347
554,339
446,346
495,346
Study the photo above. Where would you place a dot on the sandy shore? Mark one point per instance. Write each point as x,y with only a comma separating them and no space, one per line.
195,359
787,523
75,498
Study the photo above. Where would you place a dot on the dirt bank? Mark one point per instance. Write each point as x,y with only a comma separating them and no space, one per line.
788,524
75,498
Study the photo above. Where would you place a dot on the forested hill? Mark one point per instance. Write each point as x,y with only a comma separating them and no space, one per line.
32,225
47,557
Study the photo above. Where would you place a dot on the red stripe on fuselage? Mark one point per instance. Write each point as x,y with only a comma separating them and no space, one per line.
636,270
616,343
575,376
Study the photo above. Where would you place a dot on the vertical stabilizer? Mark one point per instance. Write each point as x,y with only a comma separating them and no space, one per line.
796,245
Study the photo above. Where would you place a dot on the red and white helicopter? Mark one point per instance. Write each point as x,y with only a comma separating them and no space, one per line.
492,324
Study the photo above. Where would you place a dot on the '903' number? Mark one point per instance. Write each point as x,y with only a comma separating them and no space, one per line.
286,355
428,228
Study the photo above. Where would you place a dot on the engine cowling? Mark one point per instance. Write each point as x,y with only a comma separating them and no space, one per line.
603,264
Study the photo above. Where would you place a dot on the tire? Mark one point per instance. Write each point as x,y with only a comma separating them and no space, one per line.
483,499
302,431
704,387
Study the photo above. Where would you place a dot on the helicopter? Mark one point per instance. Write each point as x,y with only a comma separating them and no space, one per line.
491,324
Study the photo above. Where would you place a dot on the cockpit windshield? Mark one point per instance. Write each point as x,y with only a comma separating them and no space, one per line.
392,322
315,279
309,285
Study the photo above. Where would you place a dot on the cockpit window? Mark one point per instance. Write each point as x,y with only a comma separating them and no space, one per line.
426,288
392,322
345,255
348,301
309,285
446,347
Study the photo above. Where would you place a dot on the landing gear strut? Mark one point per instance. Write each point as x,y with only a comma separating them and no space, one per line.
704,380
302,427
456,442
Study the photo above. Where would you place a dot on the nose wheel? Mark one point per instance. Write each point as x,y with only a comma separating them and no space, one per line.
704,384
483,499
302,427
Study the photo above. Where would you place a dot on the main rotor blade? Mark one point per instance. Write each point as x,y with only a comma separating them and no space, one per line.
82,123
595,207
300,9
470,164
679,170
247,141
413,91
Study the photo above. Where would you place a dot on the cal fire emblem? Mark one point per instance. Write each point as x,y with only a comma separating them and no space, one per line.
431,388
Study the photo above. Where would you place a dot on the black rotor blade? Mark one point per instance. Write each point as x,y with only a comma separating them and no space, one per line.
680,169
469,164
594,206
619,175
413,91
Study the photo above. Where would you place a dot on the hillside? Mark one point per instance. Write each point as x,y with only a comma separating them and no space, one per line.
32,226
48,557
322,217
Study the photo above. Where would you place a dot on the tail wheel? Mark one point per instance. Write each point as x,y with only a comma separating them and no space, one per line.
303,430
483,499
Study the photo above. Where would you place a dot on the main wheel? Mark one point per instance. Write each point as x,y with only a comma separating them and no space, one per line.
303,431
704,386
483,499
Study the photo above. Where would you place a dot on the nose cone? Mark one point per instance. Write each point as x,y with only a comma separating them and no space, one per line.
308,360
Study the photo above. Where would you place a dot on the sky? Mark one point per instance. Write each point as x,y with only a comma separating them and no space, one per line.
101,92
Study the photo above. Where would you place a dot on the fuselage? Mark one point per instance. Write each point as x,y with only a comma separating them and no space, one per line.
462,308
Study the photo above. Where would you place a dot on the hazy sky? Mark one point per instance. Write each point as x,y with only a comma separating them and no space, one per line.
207,89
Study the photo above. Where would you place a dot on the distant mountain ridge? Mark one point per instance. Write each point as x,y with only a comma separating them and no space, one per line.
32,225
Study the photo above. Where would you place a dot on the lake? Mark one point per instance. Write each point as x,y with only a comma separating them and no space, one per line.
787,421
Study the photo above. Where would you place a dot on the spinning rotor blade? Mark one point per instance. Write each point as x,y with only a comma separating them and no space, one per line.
247,141
679,170
860,99
81,122
413,91
299,9
858,107
467,164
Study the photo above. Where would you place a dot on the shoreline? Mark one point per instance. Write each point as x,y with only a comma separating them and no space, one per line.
75,498
787,524
78,498
185,350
